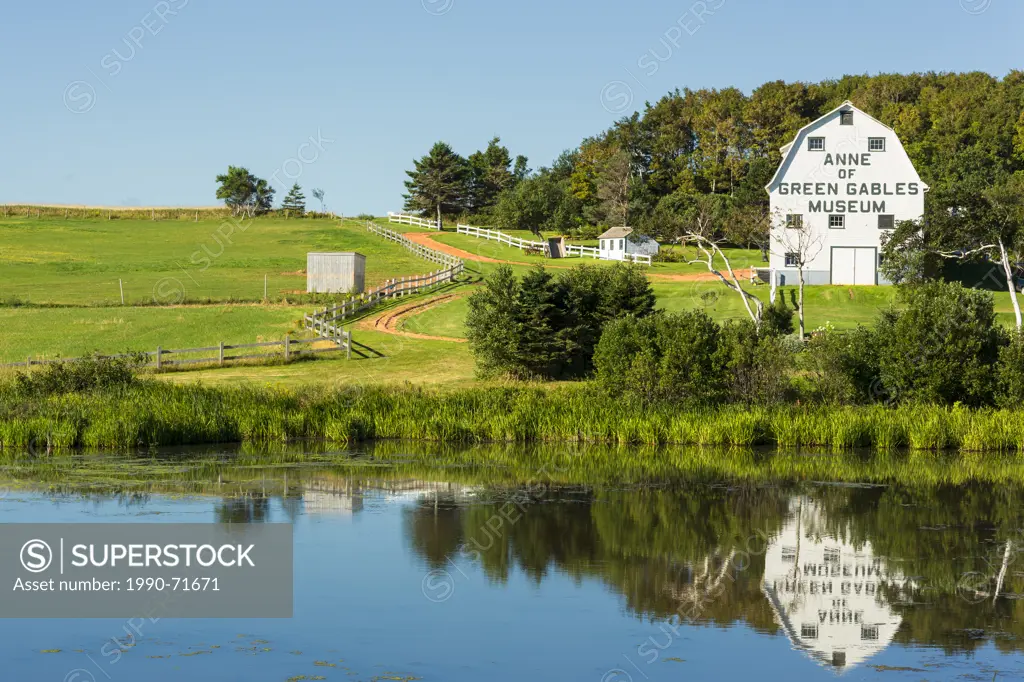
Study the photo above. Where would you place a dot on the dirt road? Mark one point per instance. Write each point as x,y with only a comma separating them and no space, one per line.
390,321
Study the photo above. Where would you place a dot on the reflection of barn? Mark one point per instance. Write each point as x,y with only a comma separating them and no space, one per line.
826,594
329,496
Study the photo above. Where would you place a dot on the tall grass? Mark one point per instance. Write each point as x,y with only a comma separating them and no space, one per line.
151,413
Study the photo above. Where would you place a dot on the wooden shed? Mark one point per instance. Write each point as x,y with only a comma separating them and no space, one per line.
335,273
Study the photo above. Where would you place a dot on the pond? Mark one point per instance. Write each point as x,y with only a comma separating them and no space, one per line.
405,573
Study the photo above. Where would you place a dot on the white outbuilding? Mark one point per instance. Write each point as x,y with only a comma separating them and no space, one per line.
619,243
844,181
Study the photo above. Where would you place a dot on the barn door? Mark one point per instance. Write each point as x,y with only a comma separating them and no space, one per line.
853,266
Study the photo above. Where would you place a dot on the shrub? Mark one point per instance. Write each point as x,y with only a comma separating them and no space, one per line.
1010,373
759,364
675,357
841,368
777,318
941,347
543,327
78,376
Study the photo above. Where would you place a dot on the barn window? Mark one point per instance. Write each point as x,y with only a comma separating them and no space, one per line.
792,260
794,221
876,144
886,222
603,246
869,632
622,245
816,144
837,222
809,631
846,118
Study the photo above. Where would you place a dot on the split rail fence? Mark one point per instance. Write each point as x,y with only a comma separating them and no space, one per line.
326,323
220,354
415,221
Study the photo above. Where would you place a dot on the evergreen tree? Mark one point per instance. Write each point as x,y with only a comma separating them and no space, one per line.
438,183
244,193
294,201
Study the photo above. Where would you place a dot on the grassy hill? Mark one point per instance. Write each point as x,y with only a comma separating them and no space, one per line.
52,261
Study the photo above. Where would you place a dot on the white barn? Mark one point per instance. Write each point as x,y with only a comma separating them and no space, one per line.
620,242
844,180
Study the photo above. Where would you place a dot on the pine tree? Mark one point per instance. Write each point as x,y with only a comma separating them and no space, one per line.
294,201
438,184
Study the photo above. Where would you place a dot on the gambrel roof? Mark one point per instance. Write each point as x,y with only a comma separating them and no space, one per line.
789,150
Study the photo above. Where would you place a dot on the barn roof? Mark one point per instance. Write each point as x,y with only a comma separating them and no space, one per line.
787,149
617,233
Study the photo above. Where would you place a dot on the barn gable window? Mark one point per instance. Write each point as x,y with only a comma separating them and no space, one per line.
886,222
816,144
837,222
846,118
794,221
876,144
792,260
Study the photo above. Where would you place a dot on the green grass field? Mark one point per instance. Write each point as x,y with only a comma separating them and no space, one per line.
80,262
59,294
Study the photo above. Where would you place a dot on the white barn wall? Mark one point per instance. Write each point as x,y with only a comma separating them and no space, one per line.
806,184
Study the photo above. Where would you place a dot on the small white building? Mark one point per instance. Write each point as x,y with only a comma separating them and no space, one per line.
844,181
620,242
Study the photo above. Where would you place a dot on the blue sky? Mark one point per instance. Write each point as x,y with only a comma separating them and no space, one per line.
143,102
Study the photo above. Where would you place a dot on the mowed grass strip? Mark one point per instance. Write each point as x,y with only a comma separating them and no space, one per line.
86,262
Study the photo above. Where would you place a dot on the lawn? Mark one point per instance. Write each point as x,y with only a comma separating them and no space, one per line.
47,333
436,363
85,262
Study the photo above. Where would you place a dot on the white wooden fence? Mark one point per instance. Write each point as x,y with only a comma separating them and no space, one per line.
326,323
415,221
501,237
527,245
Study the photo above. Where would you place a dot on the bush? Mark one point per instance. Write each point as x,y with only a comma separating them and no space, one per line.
674,357
777,318
544,327
759,364
78,376
841,368
1010,373
941,347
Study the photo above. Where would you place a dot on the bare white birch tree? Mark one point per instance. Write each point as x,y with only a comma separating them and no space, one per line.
800,244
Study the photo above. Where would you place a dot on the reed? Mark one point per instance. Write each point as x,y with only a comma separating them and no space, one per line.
151,413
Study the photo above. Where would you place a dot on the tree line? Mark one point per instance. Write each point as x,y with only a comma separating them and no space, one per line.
246,194
651,168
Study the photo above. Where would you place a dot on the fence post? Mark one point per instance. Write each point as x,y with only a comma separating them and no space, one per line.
287,348
220,355
159,357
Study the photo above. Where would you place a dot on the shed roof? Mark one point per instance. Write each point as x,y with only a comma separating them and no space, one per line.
617,233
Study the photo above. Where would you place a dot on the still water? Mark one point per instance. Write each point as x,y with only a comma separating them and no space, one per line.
435,576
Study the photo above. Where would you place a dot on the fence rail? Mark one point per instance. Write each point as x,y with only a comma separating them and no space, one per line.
326,323
527,245
290,348
415,221
501,237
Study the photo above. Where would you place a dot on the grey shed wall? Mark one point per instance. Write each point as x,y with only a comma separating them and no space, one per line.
335,273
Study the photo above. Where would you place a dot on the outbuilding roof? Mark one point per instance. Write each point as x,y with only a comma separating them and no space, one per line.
617,233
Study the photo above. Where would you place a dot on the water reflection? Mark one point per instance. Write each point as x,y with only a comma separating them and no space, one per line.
825,591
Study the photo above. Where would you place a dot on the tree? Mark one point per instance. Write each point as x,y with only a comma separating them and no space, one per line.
490,174
799,244
613,186
438,183
528,205
294,201
244,193
318,194
701,229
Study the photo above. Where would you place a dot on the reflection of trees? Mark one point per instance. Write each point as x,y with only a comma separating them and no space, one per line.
699,553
